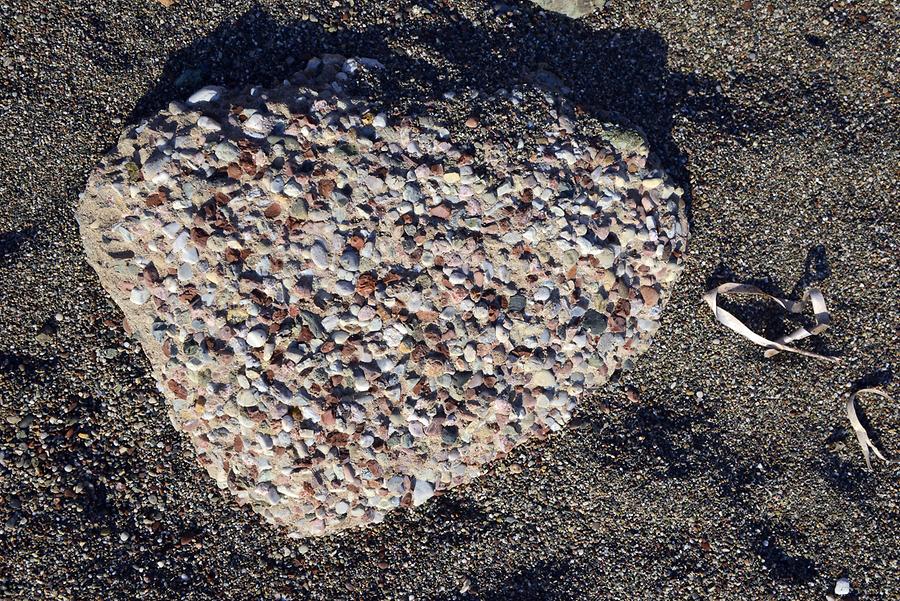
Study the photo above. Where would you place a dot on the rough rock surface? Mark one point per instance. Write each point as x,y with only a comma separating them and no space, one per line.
349,313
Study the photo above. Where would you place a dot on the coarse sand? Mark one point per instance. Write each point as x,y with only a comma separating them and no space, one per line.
707,472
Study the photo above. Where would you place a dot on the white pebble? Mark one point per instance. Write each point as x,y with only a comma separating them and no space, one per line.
543,378
208,124
330,322
190,255
185,272
139,296
226,151
344,287
292,189
457,277
422,492
257,126
205,94
246,398
257,337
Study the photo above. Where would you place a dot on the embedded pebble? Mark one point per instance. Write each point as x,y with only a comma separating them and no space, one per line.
208,124
226,152
319,255
350,260
139,296
422,492
543,378
346,320
257,337
207,94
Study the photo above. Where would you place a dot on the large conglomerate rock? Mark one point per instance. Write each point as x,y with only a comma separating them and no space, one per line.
350,313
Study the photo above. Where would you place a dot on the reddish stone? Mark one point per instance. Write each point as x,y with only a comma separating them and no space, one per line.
177,389
234,171
441,212
326,187
199,237
365,285
650,295
272,211
156,199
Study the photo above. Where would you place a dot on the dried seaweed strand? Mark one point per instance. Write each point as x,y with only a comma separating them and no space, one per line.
822,317
861,435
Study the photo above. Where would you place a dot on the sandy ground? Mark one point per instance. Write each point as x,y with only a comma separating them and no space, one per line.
708,472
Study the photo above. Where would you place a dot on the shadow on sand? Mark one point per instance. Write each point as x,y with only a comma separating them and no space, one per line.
614,75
